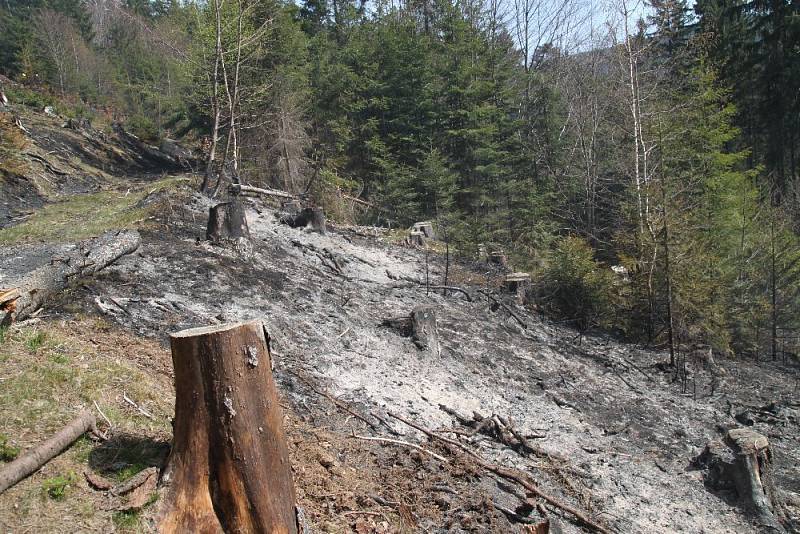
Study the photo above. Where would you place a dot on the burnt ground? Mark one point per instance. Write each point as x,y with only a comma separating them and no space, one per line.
619,433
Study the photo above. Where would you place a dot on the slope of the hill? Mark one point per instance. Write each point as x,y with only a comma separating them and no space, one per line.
616,433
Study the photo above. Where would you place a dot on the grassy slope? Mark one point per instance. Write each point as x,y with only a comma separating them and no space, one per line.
81,216
50,371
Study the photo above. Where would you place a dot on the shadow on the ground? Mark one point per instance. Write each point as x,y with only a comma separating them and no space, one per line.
126,454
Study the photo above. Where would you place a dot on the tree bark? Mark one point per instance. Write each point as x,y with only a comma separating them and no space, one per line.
40,455
229,469
90,257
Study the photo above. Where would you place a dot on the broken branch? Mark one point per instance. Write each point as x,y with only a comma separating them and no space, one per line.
404,443
511,474
46,451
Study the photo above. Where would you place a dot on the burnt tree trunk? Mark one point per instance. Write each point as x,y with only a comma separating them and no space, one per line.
87,258
420,325
227,221
229,469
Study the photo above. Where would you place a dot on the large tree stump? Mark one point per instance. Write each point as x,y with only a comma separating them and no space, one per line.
229,469
226,221
743,463
426,227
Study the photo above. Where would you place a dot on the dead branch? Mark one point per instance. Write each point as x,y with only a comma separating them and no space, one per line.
134,482
97,482
336,402
403,443
506,308
44,452
514,475
499,428
456,289
139,408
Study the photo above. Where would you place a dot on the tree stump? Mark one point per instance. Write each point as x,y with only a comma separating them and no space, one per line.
743,463
228,470
426,227
423,328
312,218
498,257
290,209
416,238
227,221
420,325
518,284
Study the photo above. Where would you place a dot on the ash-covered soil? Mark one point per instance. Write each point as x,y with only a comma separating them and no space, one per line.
619,433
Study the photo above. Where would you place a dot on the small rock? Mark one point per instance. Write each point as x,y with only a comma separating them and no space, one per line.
326,460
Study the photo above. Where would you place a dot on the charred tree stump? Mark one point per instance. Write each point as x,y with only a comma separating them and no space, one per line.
312,218
423,328
416,238
227,221
228,470
289,211
743,463
499,258
518,284
420,325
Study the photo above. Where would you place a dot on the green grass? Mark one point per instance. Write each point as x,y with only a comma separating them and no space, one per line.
58,486
127,519
35,341
8,452
44,389
83,216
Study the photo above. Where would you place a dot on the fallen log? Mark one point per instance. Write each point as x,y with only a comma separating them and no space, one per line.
32,460
90,257
229,469
237,189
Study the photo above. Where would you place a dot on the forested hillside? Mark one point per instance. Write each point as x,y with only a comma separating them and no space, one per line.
653,138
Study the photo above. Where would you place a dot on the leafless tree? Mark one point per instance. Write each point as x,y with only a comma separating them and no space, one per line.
56,33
